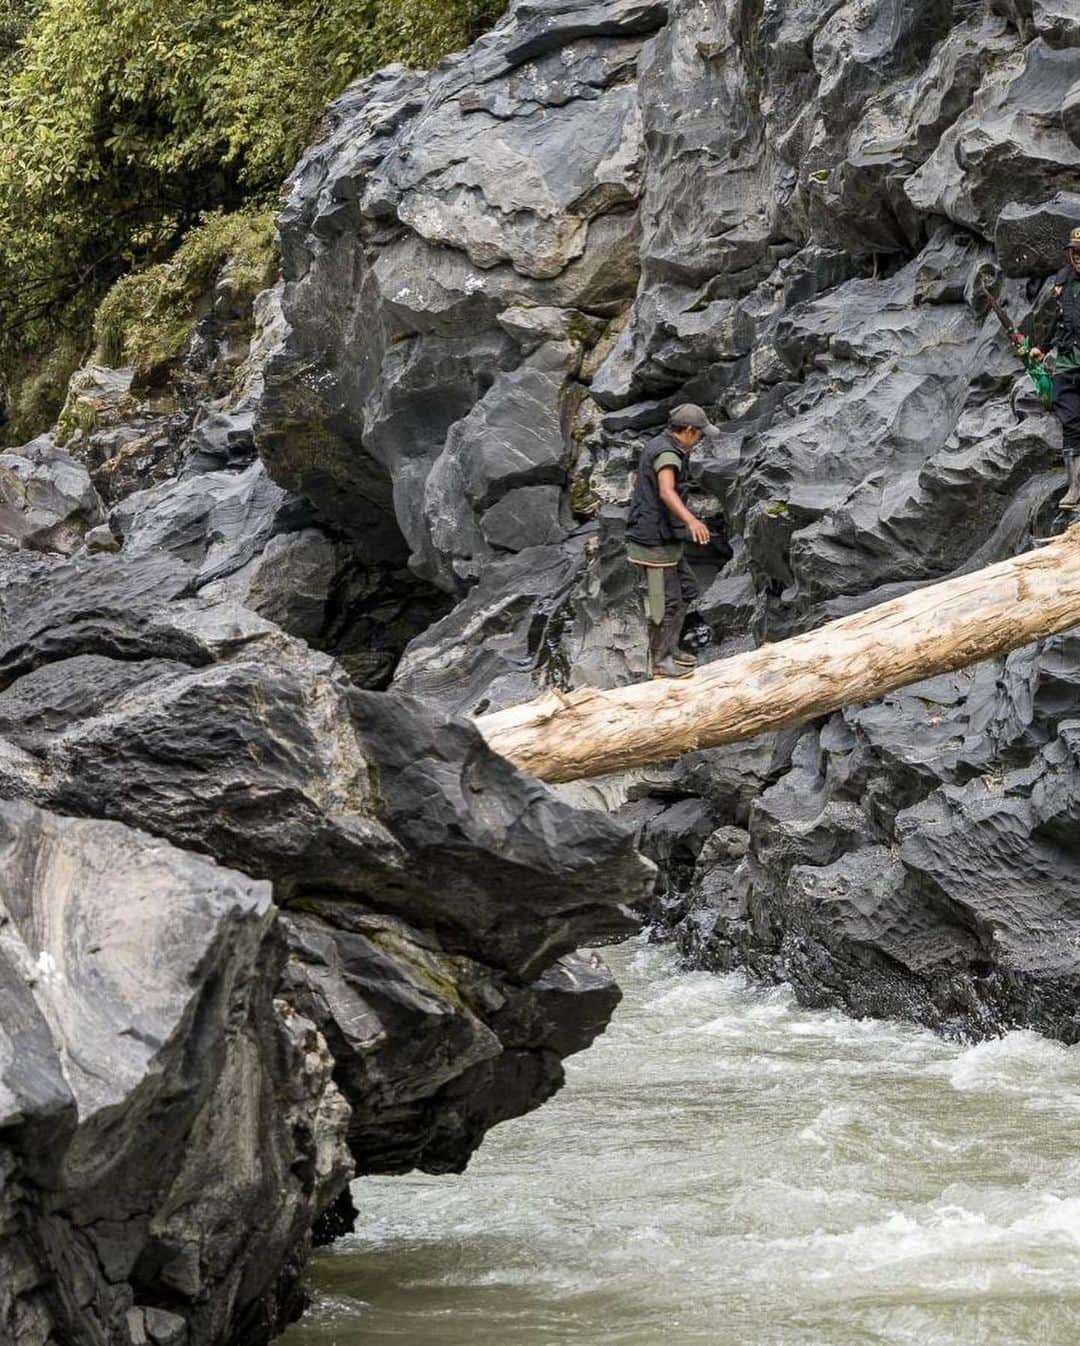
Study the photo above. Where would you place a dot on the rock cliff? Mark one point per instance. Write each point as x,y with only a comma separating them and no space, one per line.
264,923
786,212
261,928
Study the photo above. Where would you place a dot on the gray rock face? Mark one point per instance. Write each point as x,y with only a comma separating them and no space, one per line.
901,865
497,278
446,208
137,984
47,502
812,195
514,439
430,892
216,521
549,617
248,745
430,1074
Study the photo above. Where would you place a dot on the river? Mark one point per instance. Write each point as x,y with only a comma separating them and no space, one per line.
724,1167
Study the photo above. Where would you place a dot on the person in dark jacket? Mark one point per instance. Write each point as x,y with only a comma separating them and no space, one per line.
1066,343
657,527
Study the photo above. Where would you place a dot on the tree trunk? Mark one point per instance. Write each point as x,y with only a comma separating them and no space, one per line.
936,629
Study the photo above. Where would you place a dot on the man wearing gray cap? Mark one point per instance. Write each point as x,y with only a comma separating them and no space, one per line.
656,530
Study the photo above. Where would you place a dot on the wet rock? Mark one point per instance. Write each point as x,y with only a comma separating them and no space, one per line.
431,1072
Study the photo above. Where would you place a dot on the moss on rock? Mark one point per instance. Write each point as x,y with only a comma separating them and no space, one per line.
146,320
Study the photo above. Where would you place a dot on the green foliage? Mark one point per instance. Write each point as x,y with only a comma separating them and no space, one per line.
40,386
147,317
124,122
15,16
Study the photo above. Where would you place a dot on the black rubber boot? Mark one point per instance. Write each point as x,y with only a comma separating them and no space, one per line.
668,668
1071,498
663,640
657,644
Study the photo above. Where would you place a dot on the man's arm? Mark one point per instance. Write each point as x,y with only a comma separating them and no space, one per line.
669,496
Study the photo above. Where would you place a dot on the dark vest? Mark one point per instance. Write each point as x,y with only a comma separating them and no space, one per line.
649,522
1067,328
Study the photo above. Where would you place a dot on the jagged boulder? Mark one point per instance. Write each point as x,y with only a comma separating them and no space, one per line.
420,406
138,991
216,521
47,502
431,1073
250,746
430,890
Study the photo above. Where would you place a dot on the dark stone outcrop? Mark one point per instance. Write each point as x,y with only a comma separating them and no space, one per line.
441,214
815,197
417,971
497,277
47,502
144,1065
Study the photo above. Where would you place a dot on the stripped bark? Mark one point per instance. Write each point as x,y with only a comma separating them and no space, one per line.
936,629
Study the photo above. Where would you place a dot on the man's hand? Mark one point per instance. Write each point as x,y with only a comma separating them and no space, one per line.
1037,355
699,532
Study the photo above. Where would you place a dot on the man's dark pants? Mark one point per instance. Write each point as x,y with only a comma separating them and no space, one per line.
680,593
1067,410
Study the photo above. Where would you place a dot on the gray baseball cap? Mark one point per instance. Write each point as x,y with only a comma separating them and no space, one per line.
691,417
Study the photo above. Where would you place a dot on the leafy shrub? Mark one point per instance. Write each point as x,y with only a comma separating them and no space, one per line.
124,122
147,317
15,16
39,386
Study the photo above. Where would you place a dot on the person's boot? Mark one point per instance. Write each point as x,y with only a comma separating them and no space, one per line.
1071,499
668,668
657,646
663,640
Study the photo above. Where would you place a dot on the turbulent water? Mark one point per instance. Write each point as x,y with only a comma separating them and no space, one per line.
726,1168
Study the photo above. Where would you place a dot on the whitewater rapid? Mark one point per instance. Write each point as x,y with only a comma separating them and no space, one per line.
724,1167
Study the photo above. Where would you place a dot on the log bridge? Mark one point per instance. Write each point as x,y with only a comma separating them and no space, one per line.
567,736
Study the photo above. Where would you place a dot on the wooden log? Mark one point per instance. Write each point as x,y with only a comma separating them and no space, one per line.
936,629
